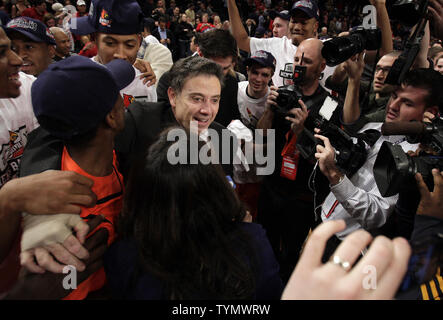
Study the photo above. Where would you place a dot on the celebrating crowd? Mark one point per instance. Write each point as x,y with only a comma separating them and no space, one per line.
125,130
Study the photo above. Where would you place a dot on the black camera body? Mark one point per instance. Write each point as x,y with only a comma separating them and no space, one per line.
288,96
340,49
394,170
409,12
350,151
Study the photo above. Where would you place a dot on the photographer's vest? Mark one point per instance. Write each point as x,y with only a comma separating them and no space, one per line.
290,154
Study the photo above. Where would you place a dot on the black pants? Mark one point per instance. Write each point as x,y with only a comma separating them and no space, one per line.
287,220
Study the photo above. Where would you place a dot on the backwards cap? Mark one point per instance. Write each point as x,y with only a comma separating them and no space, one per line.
110,16
74,95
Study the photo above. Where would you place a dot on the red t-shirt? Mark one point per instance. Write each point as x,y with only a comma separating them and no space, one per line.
32,13
109,191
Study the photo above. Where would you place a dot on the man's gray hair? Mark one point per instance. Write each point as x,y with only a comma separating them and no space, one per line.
191,67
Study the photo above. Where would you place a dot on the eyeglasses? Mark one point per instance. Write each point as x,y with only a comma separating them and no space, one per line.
384,70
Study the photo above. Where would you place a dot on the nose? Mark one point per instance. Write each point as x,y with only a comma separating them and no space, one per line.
204,109
395,104
14,59
120,53
379,74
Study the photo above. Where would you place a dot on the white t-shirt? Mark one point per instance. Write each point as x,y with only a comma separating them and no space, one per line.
151,39
284,52
136,90
16,121
250,109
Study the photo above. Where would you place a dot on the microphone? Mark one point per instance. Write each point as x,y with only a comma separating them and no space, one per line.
413,128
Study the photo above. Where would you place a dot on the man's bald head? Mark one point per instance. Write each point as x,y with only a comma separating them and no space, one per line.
313,45
63,42
308,54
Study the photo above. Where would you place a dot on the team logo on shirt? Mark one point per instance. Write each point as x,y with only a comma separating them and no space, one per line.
10,154
128,99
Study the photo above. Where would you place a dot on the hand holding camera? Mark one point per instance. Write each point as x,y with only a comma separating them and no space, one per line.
297,117
431,203
354,66
326,156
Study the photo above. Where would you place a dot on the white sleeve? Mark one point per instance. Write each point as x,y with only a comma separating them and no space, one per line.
160,59
368,208
256,44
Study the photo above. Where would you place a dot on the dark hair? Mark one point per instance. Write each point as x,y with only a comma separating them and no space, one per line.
430,80
185,219
149,24
191,67
217,43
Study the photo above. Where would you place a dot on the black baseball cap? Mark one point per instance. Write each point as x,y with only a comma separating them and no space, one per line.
110,16
282,14
307,6
33,29
74,95
263,58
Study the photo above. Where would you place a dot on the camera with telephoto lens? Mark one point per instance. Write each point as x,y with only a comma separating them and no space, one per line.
288,96
394,170
340,49
350,151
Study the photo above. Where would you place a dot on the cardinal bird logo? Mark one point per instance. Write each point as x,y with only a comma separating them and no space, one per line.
104,19
128,99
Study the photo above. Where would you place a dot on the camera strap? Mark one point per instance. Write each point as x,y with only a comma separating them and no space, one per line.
290,156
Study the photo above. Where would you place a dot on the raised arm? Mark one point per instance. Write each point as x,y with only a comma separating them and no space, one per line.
238,31
354,69
386,32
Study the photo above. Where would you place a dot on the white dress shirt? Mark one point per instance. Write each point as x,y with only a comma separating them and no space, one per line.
357,200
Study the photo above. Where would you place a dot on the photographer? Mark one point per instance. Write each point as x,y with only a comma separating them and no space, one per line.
303,25
373,105
357,199
285,203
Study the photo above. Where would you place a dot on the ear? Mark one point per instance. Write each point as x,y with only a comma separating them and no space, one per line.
51,51
112,118
323,65
316,25
172,96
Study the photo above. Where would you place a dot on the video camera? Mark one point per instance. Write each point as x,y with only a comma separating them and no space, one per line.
350,151
340,49
394,170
